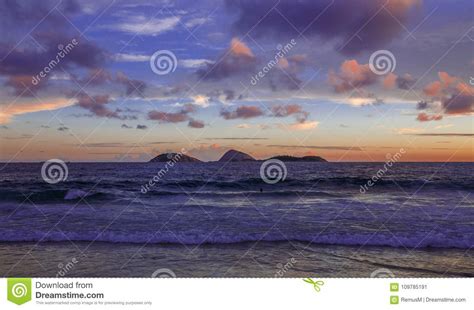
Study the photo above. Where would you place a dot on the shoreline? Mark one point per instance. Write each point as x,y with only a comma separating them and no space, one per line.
246,259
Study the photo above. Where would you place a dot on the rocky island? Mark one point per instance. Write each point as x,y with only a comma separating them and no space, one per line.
233,156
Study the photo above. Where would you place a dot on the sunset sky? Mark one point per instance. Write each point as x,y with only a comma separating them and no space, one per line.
104,102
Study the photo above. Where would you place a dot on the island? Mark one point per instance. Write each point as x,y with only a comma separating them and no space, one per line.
176,157
233,156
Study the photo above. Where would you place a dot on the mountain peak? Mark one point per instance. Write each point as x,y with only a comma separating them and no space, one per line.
233,156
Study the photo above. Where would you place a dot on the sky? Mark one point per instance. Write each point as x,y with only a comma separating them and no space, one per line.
346,80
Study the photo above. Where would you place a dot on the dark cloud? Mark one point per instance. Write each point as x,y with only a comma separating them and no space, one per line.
126,126
405,82
63,128
290,109
377,21
237,59
195,123
455,95
131,86
459,103
142,127
172,117
242,112
422,105
96,104
48,34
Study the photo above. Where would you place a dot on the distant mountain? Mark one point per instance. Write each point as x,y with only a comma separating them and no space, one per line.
233,155
165,157
287,158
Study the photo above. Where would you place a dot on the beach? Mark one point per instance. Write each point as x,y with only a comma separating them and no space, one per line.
249,259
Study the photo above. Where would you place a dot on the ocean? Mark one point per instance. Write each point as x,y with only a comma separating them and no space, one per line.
325,219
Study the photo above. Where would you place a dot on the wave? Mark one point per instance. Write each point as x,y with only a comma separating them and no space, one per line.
352,239
52,195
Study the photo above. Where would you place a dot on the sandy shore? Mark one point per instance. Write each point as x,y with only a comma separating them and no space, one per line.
263,259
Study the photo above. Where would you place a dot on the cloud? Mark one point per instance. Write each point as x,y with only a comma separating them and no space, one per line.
195,123
142,127
377,22
238,58
141,25
173,117
132,86
444,134
321,147
456,97
98,106
121,57
423,117
290,109
63,128
126,126
351,75
243,112
422,105
196,22
299,126
201,100
405,82
194,63
405,131
9,111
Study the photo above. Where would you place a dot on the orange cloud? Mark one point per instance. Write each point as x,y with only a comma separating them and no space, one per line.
423,117
351,75
10,110
239,48
389,81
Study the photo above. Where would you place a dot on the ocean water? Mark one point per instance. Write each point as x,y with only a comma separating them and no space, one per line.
412,206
